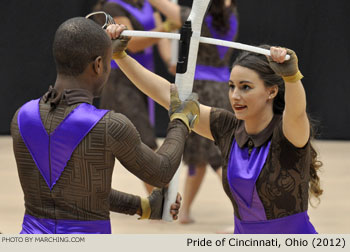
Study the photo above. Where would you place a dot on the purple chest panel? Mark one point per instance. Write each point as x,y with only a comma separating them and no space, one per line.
229,36
242,172
52,152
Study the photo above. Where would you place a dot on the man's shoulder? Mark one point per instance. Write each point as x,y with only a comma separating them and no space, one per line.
120,128
114,118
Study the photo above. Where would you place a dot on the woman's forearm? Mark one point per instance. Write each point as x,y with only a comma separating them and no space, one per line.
158,89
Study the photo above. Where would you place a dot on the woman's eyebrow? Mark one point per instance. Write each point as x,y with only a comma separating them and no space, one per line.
245,81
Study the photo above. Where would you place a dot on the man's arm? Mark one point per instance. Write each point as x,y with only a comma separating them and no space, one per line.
155,168
147,208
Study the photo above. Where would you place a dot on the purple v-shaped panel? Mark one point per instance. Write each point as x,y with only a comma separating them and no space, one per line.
242,173
52,152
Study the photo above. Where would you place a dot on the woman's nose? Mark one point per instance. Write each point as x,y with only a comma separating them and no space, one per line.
235,94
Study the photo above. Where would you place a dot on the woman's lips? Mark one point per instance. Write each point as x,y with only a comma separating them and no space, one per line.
239,107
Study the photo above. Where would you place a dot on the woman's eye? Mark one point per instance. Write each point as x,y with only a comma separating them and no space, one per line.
246,87
232,87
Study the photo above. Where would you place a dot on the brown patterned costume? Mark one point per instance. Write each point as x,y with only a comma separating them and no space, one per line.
199,150
120,94
283,183
83,191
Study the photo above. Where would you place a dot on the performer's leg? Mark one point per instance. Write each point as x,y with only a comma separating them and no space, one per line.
192,185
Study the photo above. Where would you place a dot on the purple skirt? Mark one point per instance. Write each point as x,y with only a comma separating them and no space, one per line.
33,225
293,224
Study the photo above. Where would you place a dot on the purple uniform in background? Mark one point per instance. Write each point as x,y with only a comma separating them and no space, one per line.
212,73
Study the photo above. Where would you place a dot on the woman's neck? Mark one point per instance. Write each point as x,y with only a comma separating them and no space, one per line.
255,125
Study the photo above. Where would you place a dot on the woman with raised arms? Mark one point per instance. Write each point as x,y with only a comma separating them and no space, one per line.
270,167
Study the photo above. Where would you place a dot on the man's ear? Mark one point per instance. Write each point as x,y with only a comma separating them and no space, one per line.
273,91
97,65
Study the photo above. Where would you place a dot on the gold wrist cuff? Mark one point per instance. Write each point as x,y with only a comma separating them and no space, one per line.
293,78
182,117
146,209
119,55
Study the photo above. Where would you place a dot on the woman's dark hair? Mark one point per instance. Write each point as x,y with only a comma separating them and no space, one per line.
221,15
260,64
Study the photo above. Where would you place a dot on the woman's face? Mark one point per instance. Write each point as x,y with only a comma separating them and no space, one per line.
249,96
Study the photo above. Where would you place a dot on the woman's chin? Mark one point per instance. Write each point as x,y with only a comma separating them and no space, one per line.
239,116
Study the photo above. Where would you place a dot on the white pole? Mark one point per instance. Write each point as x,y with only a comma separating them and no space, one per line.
174,47
176,36
184,83
237,46
150,34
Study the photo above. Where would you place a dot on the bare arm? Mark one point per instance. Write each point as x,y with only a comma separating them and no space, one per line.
168,9
296,126
158,89
164,48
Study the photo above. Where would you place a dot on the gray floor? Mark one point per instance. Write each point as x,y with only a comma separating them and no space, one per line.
211,209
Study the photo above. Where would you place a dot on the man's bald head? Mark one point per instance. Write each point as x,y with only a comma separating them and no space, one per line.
78,41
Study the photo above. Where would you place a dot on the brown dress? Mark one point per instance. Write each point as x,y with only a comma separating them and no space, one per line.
283,182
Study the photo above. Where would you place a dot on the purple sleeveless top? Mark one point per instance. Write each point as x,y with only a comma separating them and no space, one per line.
146,19
51,154
242,172
219,74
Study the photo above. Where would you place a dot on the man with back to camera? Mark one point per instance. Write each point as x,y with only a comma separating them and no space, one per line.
65,148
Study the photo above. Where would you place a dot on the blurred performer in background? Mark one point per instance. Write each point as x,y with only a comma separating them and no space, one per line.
120,94
212,73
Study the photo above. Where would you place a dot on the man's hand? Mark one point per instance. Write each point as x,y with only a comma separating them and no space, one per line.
152,206
119,43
